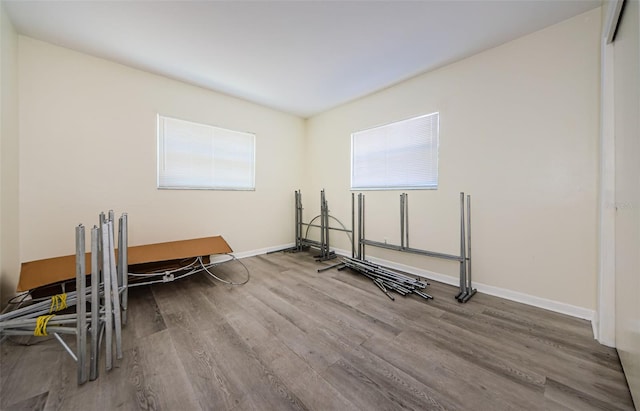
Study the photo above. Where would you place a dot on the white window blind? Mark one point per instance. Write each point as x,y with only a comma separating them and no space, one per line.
400,155
199,156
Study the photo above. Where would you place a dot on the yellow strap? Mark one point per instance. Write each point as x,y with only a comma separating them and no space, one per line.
41,325
58,302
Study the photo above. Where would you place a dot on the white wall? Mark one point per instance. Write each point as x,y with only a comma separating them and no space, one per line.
627,191
604,320
519,131
9,211
88,143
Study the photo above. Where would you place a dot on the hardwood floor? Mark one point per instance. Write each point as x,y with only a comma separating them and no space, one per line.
293,338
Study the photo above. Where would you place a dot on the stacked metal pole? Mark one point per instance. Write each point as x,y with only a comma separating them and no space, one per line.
387,280
38,318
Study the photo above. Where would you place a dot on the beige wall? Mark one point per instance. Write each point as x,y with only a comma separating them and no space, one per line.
627,143
9,231
88,143
519,131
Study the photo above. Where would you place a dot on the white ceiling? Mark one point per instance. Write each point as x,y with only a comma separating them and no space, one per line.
301,57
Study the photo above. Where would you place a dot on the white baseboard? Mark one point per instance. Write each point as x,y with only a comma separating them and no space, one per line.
556,306
260,251
551,305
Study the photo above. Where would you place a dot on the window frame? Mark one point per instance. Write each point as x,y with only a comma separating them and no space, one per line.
159,151
426,186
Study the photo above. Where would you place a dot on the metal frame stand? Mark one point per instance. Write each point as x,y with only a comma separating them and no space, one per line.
302,243
466,289
108,284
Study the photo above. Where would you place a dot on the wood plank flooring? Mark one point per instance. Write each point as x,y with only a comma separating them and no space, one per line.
296,339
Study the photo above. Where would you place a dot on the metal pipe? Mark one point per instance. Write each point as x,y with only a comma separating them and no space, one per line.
463,262
31,322
397,276
381,284
298,221
322,231
300,211
101,224
329,228
384,290
106,274
402,220
34,308
385,280
377,270
469,286
374,269
363,234
115,292
297,228
412,250
95,305
326,228
119,263
470,290
359,254
330,267
406,219
39,308
124,252
424,295
307,242
374,273
325,220
29,331
81,306
353,234
66,347
398,288
404,286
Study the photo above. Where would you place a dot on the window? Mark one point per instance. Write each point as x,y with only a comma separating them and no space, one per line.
199,156
400,155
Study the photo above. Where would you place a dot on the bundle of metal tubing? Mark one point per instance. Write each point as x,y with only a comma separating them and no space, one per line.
387,280
107,297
